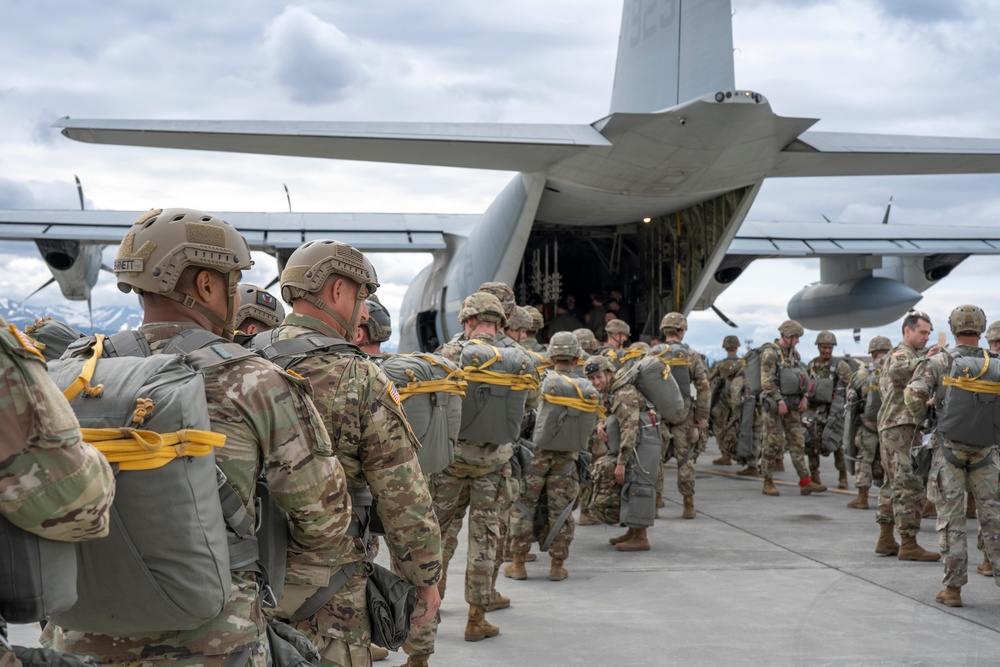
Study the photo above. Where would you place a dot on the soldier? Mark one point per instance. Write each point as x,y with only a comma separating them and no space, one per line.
819,369
553,473
897,428
618,333
374,330
537,322
259,310
960,466
985,568
720,378
588,343
862,391
518,324
783,404
186,264
680,440
326,283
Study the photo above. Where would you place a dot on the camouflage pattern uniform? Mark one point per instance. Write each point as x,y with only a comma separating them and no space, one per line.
720,378
374,443
627,404
896,432
948,482
817,414
555,474
866,440
270,423
537,322
52,483
772,358
681,440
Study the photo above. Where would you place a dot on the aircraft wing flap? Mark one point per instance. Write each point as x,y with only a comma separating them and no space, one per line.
501,146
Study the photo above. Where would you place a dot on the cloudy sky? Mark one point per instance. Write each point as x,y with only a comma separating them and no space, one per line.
889,66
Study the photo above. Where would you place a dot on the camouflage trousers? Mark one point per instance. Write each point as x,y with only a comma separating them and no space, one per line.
555,474
721,427
338,653
815,422
867,443
260,656
777,432
946,488
510,494
679,444
908,490
607,499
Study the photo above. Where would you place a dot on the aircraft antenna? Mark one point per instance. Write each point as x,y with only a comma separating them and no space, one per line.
288,197
79,190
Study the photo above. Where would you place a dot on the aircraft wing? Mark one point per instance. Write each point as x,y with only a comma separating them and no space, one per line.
501,146
369,232
854,154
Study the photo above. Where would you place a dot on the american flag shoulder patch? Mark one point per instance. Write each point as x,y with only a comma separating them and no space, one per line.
394,393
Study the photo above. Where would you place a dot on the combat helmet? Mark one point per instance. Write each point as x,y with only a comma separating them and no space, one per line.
564,345
639,346
674,321
791,328
588,341
537,321
308,268
483,306
519,319
730,343
825,338
258,304
879,344
993,331
967,319
504,293
379,324
596,364
164,242
619,327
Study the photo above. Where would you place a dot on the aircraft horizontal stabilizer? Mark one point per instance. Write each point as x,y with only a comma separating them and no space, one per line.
504,147
852,154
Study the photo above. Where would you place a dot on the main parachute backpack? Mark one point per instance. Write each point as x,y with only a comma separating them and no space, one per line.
654,379
499,380
970,412
567,415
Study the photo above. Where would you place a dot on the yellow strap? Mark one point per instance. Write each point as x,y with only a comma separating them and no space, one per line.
673,361
515,382
580,402
975,384
542,363
496,358
82,382
448,385
135,449
633,354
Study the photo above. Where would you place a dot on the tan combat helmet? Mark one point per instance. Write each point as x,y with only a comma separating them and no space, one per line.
484,307
596,364
564,347
791,328
164,242
879,344
619,327
258,304
588,342
730,343
308,268
519,319
504,293
967,319
639,346
379,324
825,338
993,331
537,321
675,321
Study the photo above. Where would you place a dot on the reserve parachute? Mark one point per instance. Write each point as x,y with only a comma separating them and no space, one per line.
970,413
499,380
567,414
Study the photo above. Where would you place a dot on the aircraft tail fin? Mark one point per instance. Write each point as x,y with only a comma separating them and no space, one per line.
672,51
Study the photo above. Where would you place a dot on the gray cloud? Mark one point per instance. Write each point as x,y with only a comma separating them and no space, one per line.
925,11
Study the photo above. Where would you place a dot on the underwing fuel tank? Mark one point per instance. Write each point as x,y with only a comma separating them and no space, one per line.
853,304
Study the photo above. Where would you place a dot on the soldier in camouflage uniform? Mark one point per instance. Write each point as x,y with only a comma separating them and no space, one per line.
326,283
186,265
518,323
530,341
618,334
681,440
897,432
597,448
259,310
817,414
375,329
783,412
865,381
720,378
628,406
958,467
588,342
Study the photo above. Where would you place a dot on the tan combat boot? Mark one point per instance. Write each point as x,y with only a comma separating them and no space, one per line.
516,569
419,660
587,518
749,471
378,653
970,507
637,543
478,628
910,550
769,488
808,485
530,557
688,508
779,466
928,511
986,567
886,545
556,571
724,460
861,502
624,537
659,502
950,596
842,482
497,601
814,476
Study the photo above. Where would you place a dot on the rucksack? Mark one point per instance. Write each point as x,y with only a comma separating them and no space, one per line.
431,390
499,379
567,414
970,412
654,379
792,380
751,364
165,564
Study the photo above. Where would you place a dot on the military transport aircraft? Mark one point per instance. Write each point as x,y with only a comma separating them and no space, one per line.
651,196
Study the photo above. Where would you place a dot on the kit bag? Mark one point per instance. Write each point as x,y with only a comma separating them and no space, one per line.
499,380
638,504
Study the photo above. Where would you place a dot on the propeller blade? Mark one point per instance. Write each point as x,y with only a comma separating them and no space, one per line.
47,283
723,317
857,335
289,198
885,218
271,284
79,190
105,267
90,313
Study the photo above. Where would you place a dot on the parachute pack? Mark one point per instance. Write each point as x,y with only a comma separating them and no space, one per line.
499,380
680,358
970,412
431,390
148,415
567,414
792,380
53,336
654,379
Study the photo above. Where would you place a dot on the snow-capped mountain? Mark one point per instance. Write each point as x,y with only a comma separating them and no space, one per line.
107,319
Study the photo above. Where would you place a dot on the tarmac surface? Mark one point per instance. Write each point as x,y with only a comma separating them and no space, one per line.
753,580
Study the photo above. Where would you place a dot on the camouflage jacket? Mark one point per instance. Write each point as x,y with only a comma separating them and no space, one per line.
271,425
863,381
897,369
926,384
773,357
51,482
725,369
374,442
817,368
628,406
